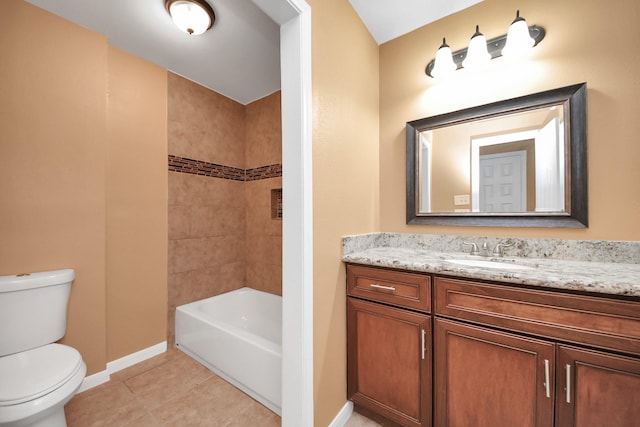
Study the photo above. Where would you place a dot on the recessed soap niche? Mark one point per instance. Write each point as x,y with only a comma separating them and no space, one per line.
276,203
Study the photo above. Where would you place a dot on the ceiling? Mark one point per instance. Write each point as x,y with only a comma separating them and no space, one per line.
240,56
387,20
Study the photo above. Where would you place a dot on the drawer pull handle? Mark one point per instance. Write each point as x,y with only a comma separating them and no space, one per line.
568,384
424,343
386,288
547,388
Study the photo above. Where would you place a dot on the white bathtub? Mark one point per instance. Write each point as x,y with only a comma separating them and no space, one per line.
238,335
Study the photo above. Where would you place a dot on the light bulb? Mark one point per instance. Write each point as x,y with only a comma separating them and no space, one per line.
519,41
477,53
444,65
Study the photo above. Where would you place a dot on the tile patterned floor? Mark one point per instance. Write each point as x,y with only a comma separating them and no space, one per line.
357,420
167,390
172,390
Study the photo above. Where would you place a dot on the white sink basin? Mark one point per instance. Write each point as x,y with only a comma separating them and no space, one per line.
498,265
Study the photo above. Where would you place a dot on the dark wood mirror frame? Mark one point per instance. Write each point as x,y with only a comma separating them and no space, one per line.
574,101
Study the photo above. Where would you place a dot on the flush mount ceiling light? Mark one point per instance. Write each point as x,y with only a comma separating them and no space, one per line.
519,39
191,16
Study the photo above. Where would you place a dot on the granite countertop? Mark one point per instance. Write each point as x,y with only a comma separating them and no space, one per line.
600,277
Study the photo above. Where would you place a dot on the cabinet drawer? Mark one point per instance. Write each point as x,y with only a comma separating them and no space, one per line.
410,290
601,322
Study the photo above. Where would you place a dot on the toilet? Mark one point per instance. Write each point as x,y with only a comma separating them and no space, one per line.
37,376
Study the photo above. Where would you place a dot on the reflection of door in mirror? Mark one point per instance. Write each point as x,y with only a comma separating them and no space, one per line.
540,134
505,145
503,182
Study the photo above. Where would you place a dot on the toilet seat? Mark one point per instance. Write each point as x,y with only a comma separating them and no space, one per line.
31,374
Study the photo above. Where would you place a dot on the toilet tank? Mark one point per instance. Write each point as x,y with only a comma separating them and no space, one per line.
33,309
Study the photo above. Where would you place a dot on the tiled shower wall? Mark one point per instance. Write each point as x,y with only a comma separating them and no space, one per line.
263,252
224,162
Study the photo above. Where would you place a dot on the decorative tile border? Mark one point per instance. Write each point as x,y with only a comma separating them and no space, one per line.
263,172
199,167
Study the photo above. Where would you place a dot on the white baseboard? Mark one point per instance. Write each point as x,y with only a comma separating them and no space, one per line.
137,357
94,380
120,364
341,418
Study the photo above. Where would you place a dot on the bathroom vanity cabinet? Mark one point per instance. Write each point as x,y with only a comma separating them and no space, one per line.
502,354
389,345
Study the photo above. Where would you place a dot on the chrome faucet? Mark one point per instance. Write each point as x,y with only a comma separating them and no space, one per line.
485,251
497,251
474,248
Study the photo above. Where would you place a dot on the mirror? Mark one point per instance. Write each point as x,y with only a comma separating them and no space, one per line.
520,162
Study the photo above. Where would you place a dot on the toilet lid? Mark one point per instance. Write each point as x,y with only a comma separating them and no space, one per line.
34,373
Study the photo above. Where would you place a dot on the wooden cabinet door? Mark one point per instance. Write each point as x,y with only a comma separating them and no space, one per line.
597,389
389,362
487,378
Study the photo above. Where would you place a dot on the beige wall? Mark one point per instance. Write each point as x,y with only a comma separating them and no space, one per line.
136,190
63,147
345,179
52,162
451,149
585,42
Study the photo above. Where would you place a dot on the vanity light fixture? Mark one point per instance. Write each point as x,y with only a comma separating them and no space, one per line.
191,16
519,39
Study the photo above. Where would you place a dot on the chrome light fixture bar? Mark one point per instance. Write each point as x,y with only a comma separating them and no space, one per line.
495,47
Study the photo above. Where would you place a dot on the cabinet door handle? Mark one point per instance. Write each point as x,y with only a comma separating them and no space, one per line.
547,386
424,343
386,288
567,386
